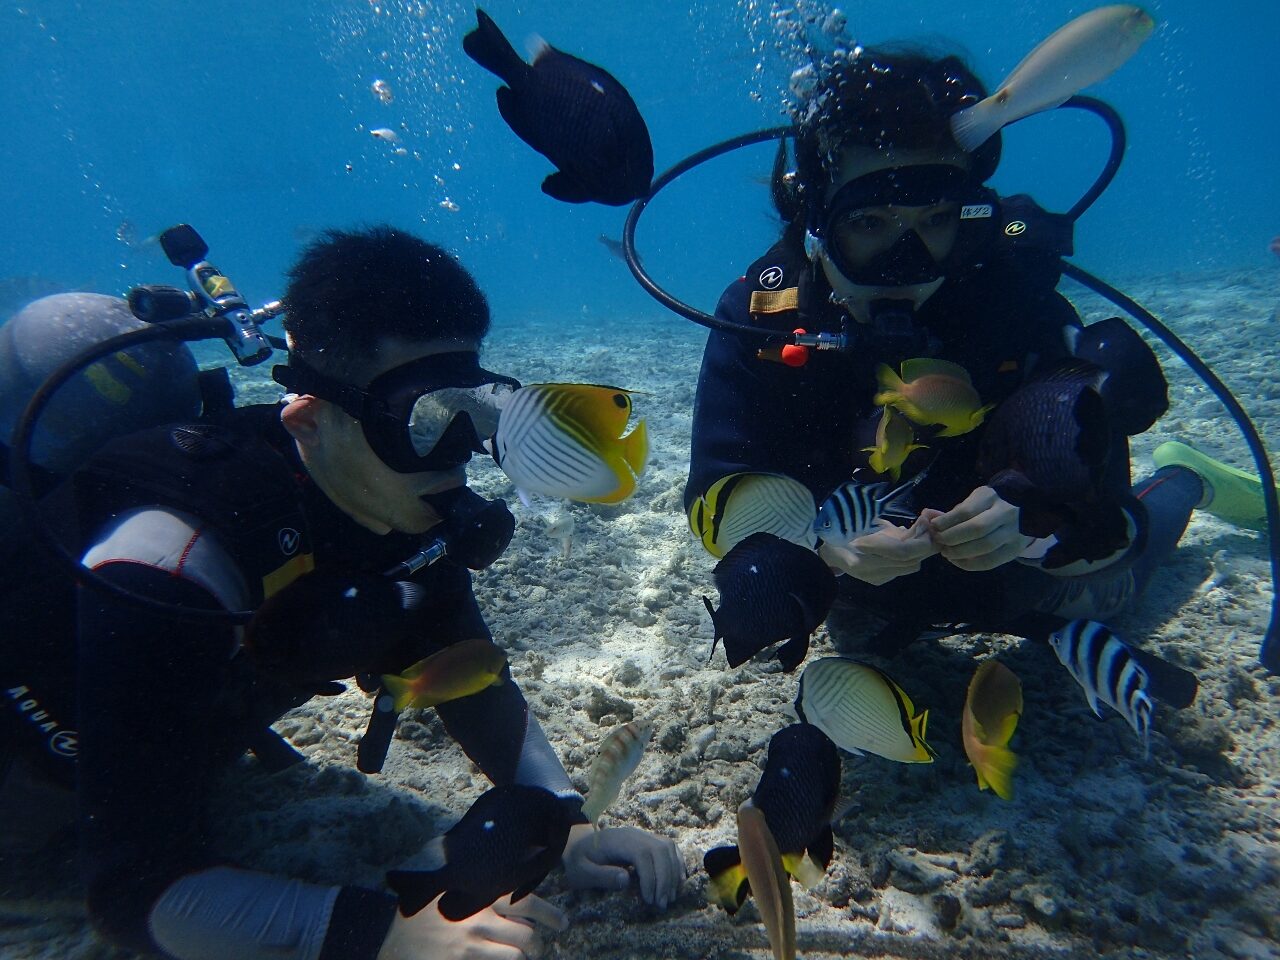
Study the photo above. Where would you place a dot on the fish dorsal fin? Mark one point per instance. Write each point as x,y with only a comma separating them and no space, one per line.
918,367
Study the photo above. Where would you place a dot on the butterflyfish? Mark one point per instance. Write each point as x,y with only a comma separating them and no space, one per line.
566,440
862,710
736,506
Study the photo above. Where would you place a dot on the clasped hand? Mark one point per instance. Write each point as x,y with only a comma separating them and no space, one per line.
979,533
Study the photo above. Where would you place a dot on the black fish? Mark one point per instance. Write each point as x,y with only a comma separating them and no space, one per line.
330,625
1135,388
1045,450
797,795
770,590
507,842
573,113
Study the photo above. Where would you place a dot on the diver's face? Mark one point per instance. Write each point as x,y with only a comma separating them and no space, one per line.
867,232
337,456
872,230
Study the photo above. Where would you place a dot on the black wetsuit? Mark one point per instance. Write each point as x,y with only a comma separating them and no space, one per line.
811,423
160,707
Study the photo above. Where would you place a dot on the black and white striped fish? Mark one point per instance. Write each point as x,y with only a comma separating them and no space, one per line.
854,509
1108,671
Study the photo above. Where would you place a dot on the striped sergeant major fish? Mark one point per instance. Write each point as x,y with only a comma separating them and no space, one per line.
854,509
1108,671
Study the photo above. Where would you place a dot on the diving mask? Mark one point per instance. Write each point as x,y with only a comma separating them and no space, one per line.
851,229
428,414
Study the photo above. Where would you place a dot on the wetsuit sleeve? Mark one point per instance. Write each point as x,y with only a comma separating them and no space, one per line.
157,714
494,727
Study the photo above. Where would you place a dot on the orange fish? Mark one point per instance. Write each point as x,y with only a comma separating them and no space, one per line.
932,391
457,671
991,713
894,442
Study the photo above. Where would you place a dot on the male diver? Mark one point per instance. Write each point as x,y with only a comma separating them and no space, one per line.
221,514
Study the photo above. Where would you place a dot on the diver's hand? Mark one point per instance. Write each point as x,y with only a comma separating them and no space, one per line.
884,555
504,931
599,858
980,533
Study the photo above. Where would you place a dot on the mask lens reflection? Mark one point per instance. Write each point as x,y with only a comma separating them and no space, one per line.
433,412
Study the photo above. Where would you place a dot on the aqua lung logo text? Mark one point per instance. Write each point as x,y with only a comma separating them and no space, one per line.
771,278
289,539
63,742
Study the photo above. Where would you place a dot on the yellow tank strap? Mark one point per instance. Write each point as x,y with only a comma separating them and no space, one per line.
775,301
286,573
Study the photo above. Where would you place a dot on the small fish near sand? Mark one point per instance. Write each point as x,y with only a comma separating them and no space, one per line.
863,710
459,670
328,625
797,795
574,113
931,392
566,440
752,578
1108,672
1083,52
1046,451
618,758
385,134
507,842
992,708
736,506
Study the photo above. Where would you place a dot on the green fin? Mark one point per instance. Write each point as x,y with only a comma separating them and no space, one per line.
1233,495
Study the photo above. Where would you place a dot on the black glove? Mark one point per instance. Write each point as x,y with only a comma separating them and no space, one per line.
770,590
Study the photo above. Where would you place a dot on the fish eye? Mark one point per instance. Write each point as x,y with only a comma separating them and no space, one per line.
620,401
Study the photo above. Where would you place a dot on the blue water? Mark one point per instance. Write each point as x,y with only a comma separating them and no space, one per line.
242,118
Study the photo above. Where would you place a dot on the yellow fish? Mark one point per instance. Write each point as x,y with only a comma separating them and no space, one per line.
991,713
895,440
565,440
932,392
736,506
457,671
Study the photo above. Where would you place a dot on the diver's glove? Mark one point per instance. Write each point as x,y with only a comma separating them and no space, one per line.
770,590
598,859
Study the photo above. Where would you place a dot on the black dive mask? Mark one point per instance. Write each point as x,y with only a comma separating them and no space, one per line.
429,414
908,261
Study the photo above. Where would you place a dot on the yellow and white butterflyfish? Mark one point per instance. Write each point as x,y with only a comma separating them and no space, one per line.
736,506
566,440
863,709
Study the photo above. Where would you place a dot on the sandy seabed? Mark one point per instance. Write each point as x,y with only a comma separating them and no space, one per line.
1100,853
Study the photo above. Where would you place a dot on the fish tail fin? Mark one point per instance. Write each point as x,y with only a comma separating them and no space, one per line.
919,723
401,690
996,771
592,807
415,888
489,47
973,126
635,448
729,886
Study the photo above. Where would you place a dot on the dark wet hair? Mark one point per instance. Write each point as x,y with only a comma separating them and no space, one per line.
885,97
348,291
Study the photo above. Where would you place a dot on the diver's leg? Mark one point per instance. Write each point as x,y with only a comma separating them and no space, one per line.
1169,494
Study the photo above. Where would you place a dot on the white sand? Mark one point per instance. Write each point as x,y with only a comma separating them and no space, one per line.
1099,851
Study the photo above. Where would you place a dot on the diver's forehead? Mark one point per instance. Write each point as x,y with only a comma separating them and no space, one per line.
858,161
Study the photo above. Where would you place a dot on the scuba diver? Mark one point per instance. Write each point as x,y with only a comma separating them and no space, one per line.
944,298
297,511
